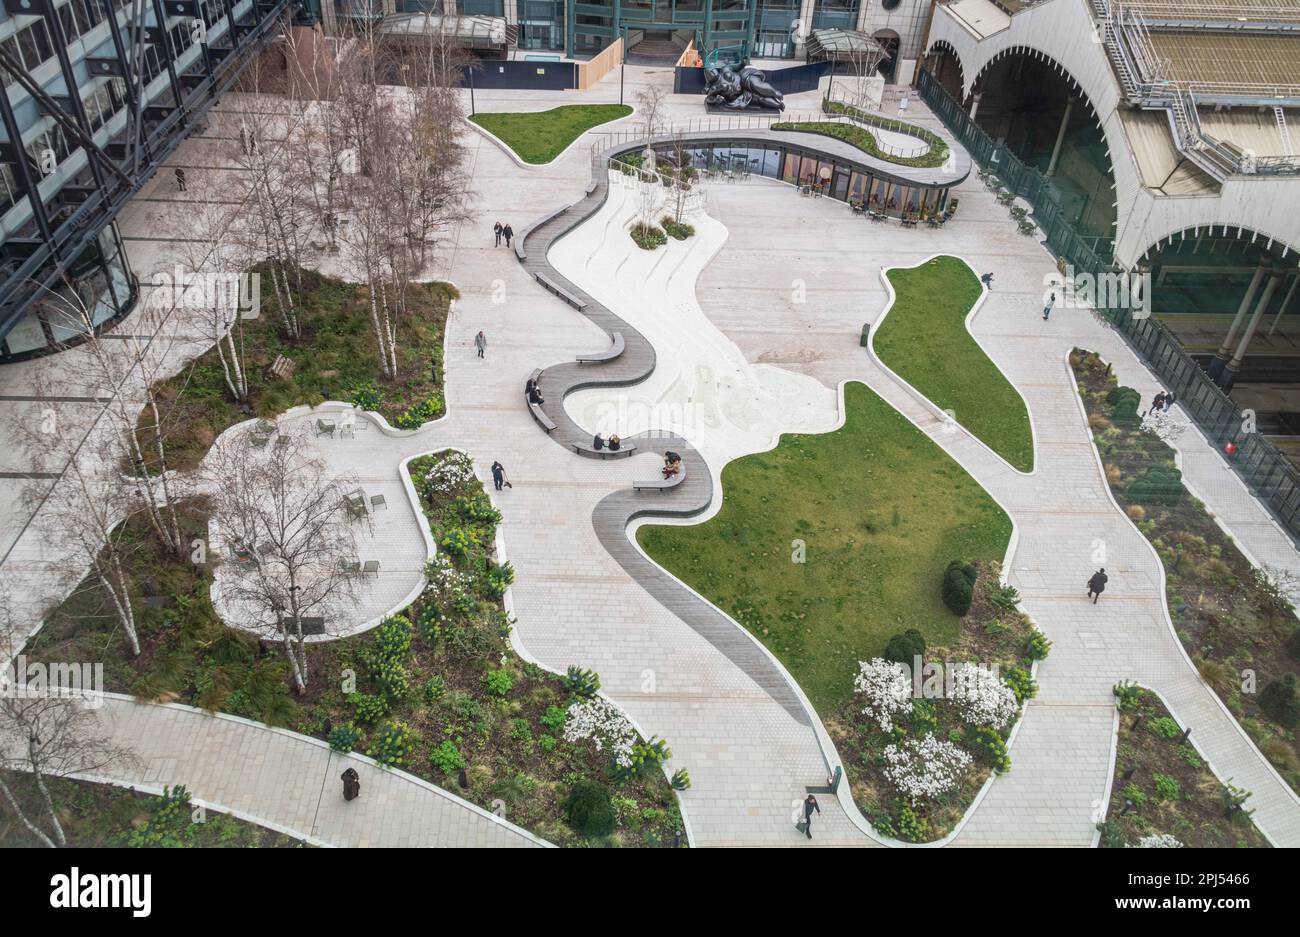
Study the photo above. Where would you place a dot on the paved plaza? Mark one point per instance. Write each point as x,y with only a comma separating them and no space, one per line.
779,286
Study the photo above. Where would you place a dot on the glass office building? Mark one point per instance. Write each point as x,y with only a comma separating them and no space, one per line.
83,125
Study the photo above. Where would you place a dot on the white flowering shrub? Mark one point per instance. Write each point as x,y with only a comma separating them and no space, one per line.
1159,841
925,768
449,473
598,720
886,688
984,699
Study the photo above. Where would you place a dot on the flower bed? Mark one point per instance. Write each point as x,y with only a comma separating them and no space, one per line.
917,746
647,236
1234,620
1163,795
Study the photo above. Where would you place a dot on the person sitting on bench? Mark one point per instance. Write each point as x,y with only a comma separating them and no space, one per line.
535,395
614,443
672,464
598,443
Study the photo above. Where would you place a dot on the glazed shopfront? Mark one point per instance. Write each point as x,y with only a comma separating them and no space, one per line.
816,172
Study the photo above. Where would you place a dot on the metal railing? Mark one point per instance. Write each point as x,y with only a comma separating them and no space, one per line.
1266,472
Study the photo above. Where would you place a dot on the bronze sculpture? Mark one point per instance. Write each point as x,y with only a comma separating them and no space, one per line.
740,89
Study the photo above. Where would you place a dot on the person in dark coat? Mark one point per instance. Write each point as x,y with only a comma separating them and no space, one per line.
351,784
614,443
1097,584
507,232
1157,404
535,395
809,806
498,475
180,179
496,230
598,443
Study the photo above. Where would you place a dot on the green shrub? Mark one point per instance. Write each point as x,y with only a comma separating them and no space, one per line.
416,416
500,578
905,647
678,230
647,236
344,738
1280,701
435,688
447,757
582,683
644,758
369,708
554,718
1166,787
392,744
1003,596
391,679
1160,484
393,637
589,810
1037,646
1127,696
989,743
1164,727
681,780
498,682
546,743
959,586
478,509
1124,403
1022,683
365,396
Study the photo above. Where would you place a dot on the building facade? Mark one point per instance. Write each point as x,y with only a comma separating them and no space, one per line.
774,29
94,95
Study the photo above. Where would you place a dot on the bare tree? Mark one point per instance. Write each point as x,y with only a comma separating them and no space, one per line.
650,107
289,519
48,732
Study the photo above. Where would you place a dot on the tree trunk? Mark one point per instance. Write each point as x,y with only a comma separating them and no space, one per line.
23,819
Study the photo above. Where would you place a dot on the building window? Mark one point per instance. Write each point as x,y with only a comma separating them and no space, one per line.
835,14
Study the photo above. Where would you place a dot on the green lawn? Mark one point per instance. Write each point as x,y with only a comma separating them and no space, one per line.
924,340
542,136
881,509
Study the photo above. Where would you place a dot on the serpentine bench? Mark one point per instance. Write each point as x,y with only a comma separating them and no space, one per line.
560,291
661,484
591,452
609,354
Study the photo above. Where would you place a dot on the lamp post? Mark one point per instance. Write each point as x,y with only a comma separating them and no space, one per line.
471,90
622,65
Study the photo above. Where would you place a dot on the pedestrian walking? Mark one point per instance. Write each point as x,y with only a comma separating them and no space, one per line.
243,142
1157,404
1169,401
987,280
480,342
809,805
507,232
496,230
498,475
180,178
1047,308
351,784
1097,584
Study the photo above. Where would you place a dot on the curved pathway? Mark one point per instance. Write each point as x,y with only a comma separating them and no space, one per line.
288,782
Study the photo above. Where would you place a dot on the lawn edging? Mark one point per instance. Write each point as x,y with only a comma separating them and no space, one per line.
830,754
926,401
318,743
509,150
1173,631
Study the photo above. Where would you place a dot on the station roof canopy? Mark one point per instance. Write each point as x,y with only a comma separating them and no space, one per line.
1236,12
472,32
842,45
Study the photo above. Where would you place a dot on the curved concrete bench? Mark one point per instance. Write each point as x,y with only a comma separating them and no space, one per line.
582,448
609,354
540,416
661,484
560,291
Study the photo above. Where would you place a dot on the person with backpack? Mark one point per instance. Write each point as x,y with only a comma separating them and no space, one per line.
351,784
